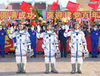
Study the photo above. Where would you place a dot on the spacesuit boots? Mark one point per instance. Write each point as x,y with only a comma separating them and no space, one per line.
47,68
53,70
78,68
23,68
73,69
19,68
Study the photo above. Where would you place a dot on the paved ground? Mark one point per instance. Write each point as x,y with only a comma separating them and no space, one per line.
36,67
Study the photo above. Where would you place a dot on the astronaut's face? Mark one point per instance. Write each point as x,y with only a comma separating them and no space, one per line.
21,27
77,26
49,27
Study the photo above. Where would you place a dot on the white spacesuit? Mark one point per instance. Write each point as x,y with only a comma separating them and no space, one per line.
78,45
50,47
21,47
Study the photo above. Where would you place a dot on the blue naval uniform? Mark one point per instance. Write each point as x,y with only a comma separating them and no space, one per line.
94,41
63,40
2,41
33,40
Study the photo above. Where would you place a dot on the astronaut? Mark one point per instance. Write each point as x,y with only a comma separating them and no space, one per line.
21,47
78,47
50,47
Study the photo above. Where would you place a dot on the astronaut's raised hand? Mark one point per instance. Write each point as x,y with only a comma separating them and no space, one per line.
38,29
66,28
12,29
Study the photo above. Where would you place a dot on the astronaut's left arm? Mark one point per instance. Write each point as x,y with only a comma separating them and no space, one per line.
39,35
56,44
84,41
28,41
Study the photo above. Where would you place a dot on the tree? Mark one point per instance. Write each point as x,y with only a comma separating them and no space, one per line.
37,14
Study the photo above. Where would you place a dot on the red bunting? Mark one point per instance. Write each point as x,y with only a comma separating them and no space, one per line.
94,5
71,6
54,5
26,7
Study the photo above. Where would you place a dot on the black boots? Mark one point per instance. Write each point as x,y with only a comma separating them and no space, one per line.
21,68
53,70
74,69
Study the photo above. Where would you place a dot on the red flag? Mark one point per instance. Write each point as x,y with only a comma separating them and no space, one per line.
71,6
54,5
25,7
94,5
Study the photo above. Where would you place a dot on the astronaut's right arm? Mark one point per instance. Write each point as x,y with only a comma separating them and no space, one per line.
67,33
40,35
12,35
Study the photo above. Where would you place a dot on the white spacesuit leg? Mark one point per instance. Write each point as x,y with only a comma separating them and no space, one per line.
47,60
24,60
73,60
53,59
18,59
47,64
80,60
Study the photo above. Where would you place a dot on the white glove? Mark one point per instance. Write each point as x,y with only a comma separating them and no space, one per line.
38,28
85,53
11,30
67,28
58,54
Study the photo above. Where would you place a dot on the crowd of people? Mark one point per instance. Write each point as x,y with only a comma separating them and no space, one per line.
53,32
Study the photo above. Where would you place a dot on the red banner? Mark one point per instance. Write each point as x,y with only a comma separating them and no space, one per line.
67,14
77,15
58,14
86,14
25,15
9,45
95,14
13,15
4,14
49,15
